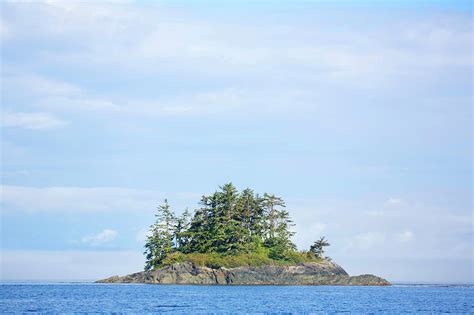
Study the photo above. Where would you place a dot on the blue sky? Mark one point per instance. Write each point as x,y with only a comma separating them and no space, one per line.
359,114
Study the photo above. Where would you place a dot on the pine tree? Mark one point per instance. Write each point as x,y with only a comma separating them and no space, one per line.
271,204
230,234
228,222
317,249
280,244
251,213
181,230
160,243
201,228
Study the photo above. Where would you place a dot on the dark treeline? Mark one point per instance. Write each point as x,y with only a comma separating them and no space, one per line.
228,222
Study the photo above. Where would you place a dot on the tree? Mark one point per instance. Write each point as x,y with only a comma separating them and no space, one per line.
252,210
181,229
160,243
280,244
200,228
271,204
230,235
228,222
317,249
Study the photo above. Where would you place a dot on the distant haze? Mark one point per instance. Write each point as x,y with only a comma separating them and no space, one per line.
357,113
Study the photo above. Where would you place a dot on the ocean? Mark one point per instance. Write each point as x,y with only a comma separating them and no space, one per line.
186,299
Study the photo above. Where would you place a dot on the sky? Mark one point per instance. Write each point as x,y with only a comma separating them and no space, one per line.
357,113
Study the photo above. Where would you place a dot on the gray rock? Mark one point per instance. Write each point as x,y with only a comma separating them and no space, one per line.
323,273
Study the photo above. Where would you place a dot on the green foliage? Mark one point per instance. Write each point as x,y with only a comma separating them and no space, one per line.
317,249
173,258
181,229
229,229
254,259
160,242
294,257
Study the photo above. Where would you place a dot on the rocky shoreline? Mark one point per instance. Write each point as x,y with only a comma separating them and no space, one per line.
322,273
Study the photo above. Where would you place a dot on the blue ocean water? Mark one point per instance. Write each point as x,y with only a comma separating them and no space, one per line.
136,298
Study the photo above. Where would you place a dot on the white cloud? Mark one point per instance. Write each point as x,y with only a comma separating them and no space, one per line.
406,236
18,173
34,85
357,231
203,103
394,201
4,32
67,265
88,199
157,38
105,236
366,241
54,95
47,93
31,120
81,103
71,19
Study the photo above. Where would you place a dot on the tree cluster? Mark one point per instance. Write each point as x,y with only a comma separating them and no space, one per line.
228,222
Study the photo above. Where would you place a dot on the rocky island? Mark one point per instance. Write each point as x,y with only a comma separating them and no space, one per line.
326,273
235,238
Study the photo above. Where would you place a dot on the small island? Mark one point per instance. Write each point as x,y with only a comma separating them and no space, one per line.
239,238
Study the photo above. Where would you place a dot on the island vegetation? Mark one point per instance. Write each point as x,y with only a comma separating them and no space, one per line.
229,229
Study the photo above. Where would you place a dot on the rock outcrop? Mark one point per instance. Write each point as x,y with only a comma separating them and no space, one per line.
323,273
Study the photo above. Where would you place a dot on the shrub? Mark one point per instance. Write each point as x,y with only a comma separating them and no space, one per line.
295,257
173,258
260,257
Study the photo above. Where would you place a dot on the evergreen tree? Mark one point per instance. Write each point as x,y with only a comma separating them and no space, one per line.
251,213
230,235
271,204
228,222
317,249
202,230
181,229
197,233
161,240
280,244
